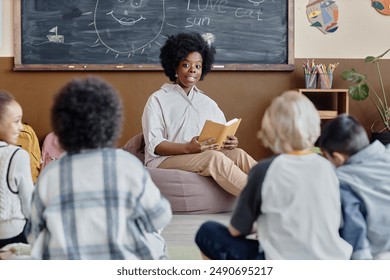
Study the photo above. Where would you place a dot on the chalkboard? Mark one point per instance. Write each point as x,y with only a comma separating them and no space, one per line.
128,34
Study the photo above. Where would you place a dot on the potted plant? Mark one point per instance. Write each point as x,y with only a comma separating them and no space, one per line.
361,91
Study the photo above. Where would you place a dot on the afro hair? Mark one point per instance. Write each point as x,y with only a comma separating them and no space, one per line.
87,114
177,47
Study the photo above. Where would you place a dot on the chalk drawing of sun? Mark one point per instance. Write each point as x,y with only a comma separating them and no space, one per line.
128,26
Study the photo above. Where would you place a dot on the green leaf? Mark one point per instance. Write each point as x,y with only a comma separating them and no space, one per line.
371,59
353,76
359,92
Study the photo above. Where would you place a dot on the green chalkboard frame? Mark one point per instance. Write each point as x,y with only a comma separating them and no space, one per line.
20,66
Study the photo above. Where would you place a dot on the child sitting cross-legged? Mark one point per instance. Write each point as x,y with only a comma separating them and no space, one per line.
363,171
96,201
291,200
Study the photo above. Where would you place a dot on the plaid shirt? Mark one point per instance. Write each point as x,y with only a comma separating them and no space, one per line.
97,204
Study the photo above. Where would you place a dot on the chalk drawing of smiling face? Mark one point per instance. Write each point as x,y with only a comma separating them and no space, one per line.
127,26
323,15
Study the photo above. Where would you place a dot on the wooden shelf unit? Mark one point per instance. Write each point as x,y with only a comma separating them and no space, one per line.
329,102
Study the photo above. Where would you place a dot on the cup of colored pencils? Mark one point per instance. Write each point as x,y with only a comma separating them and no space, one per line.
310,71
325,75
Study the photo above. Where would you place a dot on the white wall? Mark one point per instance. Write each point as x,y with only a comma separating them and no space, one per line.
6,46
362,31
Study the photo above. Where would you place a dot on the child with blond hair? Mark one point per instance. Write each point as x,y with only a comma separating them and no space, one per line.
291,200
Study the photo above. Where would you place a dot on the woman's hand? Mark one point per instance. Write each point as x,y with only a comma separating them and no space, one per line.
230,143
205,145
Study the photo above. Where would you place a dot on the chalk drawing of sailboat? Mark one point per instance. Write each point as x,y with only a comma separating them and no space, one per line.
55,38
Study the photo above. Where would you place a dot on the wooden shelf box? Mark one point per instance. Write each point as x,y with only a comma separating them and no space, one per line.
329,102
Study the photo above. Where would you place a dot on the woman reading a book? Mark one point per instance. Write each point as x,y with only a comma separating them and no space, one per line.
174,116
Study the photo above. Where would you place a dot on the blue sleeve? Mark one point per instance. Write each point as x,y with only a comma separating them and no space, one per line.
354,228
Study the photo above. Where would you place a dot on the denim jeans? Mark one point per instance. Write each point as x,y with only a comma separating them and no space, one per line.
215,241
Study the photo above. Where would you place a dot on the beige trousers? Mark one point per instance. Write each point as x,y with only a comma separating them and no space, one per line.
229,168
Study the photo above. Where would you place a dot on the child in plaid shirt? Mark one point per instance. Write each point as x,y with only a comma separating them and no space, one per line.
95,202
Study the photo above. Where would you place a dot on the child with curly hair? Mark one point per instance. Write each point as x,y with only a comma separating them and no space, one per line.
174,115
96,201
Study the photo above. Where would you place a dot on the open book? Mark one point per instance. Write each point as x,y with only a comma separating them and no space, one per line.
218,131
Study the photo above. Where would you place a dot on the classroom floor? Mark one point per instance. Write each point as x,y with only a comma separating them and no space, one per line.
179,236
180,233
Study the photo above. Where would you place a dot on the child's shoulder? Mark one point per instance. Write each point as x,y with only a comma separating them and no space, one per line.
263,165
289,162
15,151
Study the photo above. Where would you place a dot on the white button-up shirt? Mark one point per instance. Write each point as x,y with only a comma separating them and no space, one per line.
171,115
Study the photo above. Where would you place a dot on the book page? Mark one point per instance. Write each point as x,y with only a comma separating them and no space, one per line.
231,122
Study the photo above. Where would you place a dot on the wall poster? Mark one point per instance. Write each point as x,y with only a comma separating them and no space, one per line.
382,6
323,14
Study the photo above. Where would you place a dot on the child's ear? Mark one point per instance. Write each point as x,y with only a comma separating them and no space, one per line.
339,158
